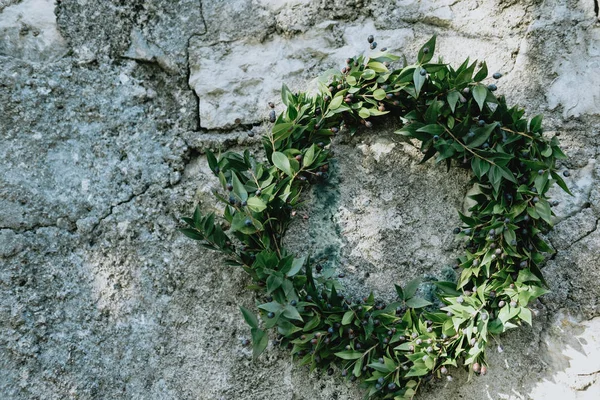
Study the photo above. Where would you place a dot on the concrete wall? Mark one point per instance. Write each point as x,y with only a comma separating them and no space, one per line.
105,109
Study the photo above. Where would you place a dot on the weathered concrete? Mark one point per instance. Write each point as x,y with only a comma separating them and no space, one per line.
106,108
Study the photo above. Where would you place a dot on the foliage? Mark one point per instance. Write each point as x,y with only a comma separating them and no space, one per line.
392,348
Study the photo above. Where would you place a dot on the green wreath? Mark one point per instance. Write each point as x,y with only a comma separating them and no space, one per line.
392,348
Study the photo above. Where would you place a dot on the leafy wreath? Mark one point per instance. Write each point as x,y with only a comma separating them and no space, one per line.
392,348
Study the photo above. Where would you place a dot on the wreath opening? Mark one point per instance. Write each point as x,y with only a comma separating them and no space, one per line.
391,347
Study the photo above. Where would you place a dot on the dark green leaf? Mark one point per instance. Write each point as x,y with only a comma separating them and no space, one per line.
249,317
411,288
191,233
281,161
433,129
453,97
482,73
480,94
417,302
238,187
349,355
260,340
426,52
418,80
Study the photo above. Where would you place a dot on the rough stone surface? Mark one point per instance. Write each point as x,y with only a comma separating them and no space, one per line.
106,109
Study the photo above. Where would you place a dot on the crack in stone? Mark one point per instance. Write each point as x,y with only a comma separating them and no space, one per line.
110,211
31,228
583,237
189,71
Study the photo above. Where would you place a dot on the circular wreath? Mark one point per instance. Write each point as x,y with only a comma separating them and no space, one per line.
392,348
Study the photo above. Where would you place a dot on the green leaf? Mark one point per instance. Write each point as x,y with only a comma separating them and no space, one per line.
433,129
479,94
364,113
191,233
296,266
260,340
256,204
417,302
400,292
291,313
543,209
286,95
336,102
482,73
525,315
380,367
482,135
560,182
282,130
249,317
281,161
379,94
426,55
480,167
351,80
377,66
349,355
348,316
309,157
212,160
414,371
535,125
418,80
453,97
238,187
271,307
273,283
411,288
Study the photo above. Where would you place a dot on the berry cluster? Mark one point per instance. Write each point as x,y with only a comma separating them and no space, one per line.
392,348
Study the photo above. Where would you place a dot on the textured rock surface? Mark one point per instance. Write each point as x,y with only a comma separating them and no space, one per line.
106,108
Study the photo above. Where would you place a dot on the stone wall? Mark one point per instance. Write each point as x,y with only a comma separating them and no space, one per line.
105,109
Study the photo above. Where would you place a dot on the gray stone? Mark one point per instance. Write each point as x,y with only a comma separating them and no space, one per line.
107,108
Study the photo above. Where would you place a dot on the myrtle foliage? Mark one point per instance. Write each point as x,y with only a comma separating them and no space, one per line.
392,348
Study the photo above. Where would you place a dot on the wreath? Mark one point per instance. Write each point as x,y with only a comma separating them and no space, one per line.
392,348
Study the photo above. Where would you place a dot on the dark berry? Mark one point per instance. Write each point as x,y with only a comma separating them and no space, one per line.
330,371
566,173
250,134
370,39
392,386
481,122
497,75
456,231
271,104
293,303
373,45
272,116
426,50
258,192
436,138
492,87
423,72
248,222
536,199
541,172
229,186
270,315
368,124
